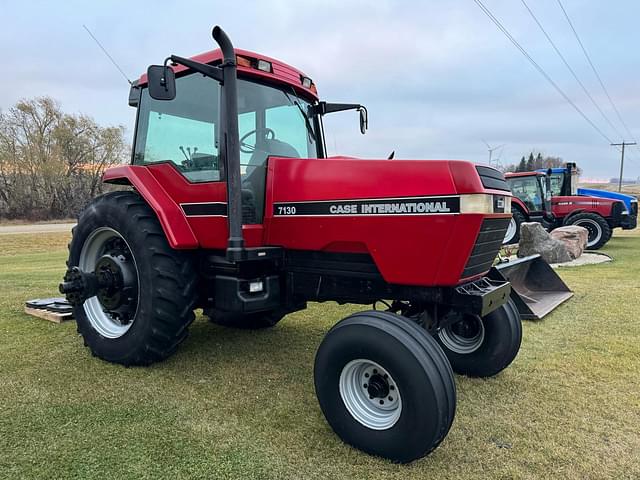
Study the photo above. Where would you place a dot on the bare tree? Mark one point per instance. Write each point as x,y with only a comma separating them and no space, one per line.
51,162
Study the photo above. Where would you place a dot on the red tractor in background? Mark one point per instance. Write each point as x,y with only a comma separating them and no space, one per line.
235,208
533,202
564,182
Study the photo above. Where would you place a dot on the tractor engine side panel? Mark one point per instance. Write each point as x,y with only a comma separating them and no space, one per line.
315,205
563,206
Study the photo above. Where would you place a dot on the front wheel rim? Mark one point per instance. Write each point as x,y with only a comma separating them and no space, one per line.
94,247
370,394
463,337
594,229
511,231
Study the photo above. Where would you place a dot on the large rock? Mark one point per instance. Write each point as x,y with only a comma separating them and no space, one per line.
574,237
535,239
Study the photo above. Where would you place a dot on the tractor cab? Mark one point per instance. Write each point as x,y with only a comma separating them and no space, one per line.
182,132
532,191
278,115
563,180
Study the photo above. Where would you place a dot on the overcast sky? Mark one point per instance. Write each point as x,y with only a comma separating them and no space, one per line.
437,77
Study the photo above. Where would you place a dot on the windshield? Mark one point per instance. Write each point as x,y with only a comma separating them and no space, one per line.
528,189
184,131
557,182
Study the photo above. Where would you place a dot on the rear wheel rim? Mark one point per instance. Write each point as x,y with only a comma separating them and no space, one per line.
94,247
370,394
594,229
511,231
463,337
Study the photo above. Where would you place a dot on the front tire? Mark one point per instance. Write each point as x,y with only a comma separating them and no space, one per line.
598,228
385,386
483,347
513,231
162,295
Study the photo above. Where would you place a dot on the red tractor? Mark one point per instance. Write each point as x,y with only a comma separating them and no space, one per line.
533,202
234,207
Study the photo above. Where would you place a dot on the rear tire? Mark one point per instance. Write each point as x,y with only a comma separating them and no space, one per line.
245,321
598,228
513,231
166,283
406,369
483,347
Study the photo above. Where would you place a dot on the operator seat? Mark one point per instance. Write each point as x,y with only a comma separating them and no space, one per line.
253,184
273,148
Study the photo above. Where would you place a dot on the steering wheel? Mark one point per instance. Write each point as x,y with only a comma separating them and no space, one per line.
248,148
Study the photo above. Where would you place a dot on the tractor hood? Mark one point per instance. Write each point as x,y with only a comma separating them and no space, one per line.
424,222
592,192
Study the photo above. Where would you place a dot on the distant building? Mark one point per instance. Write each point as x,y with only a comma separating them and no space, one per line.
626,181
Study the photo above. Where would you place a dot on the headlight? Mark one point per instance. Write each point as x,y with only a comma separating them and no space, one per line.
485,203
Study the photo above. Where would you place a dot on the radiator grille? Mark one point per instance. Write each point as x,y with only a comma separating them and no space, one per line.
487,246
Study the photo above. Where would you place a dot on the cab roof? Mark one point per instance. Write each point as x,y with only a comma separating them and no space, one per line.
247,62
523,174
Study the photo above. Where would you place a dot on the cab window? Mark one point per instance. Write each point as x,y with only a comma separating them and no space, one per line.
528,190
181,131
557,180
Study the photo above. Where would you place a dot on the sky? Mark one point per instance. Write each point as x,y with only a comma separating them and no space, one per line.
438,78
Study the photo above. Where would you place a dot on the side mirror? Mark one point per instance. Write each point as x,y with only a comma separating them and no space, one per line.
161,82
364,120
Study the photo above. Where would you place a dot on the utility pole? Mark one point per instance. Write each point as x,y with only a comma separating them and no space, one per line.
622,160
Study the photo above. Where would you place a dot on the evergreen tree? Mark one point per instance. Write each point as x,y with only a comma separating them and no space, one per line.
539,162
530,163
522,166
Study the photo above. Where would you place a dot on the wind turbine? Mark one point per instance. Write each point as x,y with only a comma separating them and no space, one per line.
493,149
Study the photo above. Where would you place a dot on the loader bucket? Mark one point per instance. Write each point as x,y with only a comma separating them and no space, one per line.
535,288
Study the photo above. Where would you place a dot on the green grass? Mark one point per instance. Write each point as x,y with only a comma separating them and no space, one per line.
234,404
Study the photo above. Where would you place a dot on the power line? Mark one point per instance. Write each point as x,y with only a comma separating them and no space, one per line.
595,104
595,71
488,13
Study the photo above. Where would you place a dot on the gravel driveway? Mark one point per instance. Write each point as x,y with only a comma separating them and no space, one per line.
36,228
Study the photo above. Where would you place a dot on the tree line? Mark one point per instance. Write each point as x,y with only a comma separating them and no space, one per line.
535,162
51,162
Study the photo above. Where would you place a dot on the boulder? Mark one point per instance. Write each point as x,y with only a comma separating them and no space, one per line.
574,237
535,239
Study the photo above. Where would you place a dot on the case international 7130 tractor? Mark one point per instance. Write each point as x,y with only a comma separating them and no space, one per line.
236,209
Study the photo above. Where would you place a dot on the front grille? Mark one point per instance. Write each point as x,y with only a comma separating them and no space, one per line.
492,178
487,246
616,211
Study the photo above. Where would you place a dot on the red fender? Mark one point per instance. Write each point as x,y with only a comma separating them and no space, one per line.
516,202
172,219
